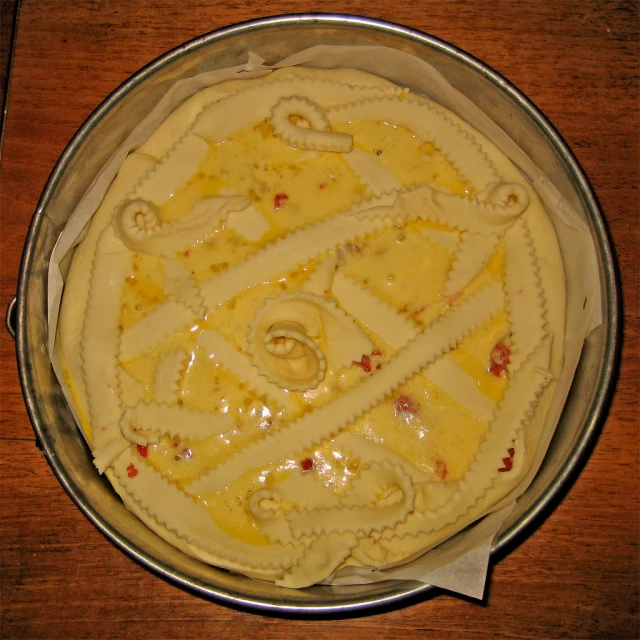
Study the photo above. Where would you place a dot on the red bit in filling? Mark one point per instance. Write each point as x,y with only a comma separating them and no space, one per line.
365,363
143,450
306,464
499,358
507,462
132,472
441,469
405,405
279,199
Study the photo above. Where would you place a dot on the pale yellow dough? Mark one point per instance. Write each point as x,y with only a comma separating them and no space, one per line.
287,358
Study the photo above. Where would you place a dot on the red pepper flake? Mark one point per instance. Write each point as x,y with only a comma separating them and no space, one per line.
405,405
376,352
143,450
441,469
279,199
420,310
322,185
499,358
365,363
508,462
132,472
306,464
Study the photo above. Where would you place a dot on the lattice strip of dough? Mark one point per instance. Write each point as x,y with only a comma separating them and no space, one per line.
180,514
166,383
295,248
525,298
131,391
327,420
161,419
427,123
180,286
473,255
160,323
100,342
214,345
372,173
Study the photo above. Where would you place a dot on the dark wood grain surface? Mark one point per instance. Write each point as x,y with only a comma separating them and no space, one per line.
577,575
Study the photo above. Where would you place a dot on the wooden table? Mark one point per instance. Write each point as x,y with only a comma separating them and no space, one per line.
577,575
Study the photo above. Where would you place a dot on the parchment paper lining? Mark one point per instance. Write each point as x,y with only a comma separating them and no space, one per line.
460,564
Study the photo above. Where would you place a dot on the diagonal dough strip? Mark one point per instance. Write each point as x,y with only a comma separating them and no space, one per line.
472,256
286,253
166,382
327,420
157,325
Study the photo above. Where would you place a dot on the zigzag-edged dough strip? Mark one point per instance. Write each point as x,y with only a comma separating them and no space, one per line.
166,383
252,106
453,380
372,312
217,347
525,301
473,255
360,520
173,171
139,225
372,173
428,123
448,240
180,514
319,282
512,414
174,420
100,340
248,222
276,258
327,420
397,331
179,285
319,561
131,391
465,214
157,325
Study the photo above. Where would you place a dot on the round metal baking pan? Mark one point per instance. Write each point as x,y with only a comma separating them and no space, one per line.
274,38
